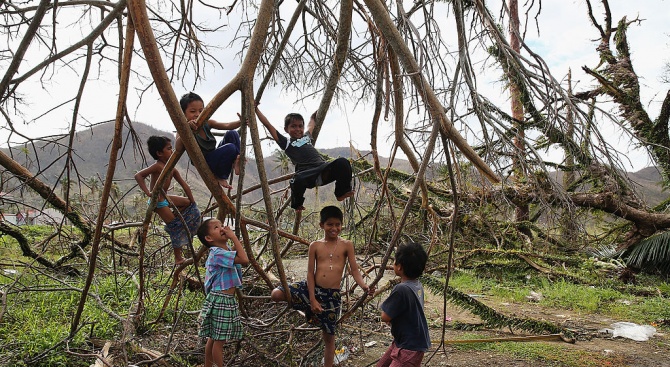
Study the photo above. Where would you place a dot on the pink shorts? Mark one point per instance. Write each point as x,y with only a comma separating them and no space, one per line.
398,357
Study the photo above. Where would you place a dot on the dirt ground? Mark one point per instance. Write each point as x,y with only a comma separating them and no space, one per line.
598,350
592,348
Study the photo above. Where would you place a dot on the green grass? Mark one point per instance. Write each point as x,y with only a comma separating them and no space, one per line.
565,295
36,319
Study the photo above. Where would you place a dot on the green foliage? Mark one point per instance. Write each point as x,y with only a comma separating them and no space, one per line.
652,253
562,294
39,313
491,318
577,297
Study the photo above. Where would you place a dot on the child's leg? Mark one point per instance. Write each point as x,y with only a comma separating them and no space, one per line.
179,236
208,352
181,202
178,256
297,193
339,171
222,159
277,295
329,349
166,214
233,137
217,352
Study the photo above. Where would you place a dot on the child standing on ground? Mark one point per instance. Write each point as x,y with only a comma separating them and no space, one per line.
221,159
319,296
403,309
311,169
160,148
220,317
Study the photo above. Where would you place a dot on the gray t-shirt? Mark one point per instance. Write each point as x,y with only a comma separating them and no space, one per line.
408,322
301,151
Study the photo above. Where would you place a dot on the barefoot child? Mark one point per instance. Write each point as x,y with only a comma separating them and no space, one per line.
319,296
403,309
220,317
160,148
221,159
311,169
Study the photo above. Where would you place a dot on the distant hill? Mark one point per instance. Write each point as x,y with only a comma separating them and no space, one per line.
91,155
649,185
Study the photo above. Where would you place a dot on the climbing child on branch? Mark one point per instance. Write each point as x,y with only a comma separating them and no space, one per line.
319,296
311,169
160,148
221,159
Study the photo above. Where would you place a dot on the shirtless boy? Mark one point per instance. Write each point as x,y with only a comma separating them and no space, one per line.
319,296
160,148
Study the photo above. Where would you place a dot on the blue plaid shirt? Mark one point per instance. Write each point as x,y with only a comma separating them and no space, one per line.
221,271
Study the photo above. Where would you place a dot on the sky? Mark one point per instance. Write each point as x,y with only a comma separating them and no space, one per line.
565,41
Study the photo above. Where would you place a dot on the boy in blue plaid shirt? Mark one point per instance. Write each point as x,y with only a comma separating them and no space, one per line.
220,317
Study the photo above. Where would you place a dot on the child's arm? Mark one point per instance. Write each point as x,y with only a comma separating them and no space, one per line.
311,279
355,272
385,317
142,175
311,123
184,185
241,256
225,125
266,123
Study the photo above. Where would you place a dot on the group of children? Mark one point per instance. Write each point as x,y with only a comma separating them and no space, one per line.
318,297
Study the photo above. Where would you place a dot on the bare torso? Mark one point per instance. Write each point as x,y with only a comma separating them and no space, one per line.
330,257
154,178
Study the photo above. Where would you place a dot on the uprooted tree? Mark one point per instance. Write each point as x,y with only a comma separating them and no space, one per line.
394,59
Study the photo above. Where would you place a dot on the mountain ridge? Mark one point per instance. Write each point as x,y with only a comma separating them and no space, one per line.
91,156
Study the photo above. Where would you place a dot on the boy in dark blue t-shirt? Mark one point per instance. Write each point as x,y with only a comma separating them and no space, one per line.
311,169
403,309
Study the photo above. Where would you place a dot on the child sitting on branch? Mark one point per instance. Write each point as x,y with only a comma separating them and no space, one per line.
311,169
319,295
222,159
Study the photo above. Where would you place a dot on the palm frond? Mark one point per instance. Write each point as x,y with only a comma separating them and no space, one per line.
490,317
651,253
603,251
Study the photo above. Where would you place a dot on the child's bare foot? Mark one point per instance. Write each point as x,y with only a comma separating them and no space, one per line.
178,257
236,165
347,195
225,184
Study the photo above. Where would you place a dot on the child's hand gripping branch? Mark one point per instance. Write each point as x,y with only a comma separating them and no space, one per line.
223,158
311,169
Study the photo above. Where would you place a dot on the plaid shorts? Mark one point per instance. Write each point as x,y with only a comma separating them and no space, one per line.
329,299
220,317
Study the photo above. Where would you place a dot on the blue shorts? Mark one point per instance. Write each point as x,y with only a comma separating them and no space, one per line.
161,204
221,159
179,235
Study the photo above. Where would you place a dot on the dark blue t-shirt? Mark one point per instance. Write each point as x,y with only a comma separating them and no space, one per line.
301,151
408,322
